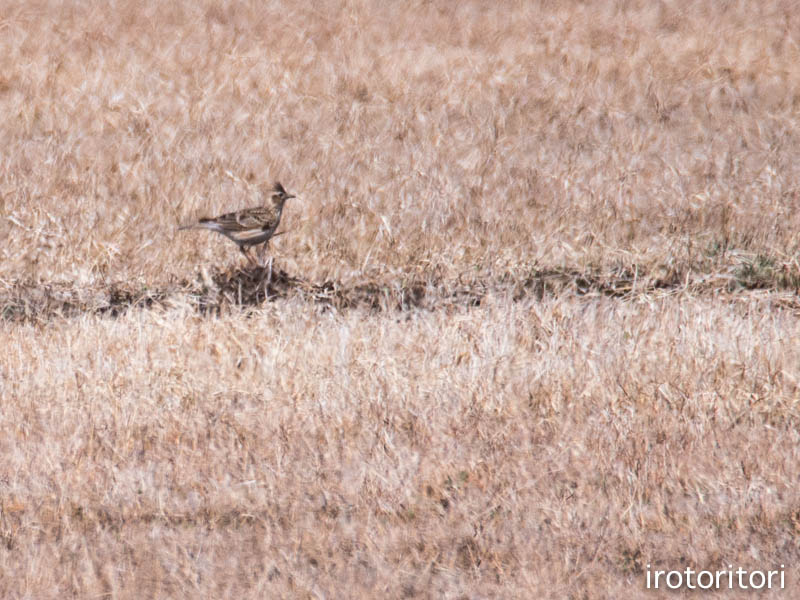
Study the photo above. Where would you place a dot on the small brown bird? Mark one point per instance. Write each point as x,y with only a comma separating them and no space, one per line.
250,226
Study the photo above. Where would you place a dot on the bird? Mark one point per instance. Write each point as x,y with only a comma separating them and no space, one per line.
250,226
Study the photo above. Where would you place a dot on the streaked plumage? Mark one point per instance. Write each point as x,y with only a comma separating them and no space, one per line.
250,226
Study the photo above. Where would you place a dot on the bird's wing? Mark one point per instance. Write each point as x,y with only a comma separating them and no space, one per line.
242,220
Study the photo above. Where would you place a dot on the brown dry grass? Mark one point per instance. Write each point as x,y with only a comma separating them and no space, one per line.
534,324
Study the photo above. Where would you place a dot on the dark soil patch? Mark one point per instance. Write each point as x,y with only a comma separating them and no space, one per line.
253,286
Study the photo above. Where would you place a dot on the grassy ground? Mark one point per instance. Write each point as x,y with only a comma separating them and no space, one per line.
533,325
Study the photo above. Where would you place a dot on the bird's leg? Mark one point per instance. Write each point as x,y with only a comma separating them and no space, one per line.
247,254
262,252
269,277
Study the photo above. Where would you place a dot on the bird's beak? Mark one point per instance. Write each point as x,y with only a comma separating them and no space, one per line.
290,196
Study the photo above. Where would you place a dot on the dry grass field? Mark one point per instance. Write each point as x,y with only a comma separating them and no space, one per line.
533,323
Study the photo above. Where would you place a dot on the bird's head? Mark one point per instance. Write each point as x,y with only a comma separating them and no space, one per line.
277,193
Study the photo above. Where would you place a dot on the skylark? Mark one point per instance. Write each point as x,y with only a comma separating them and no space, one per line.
250,226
